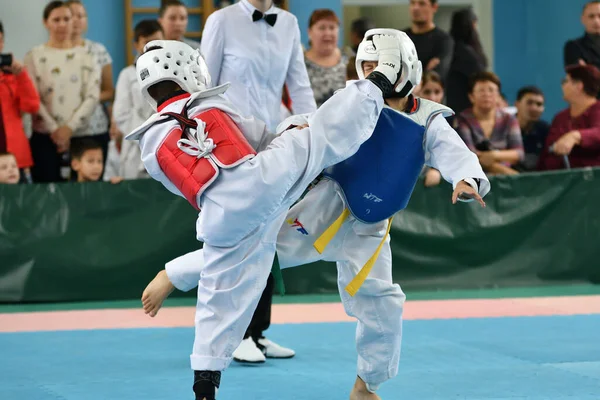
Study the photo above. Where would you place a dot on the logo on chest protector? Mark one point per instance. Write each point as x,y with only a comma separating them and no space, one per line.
372,197
294,223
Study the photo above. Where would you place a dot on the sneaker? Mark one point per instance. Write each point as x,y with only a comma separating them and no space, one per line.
273,350
248,352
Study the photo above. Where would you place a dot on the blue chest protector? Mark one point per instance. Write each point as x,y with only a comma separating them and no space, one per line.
379,179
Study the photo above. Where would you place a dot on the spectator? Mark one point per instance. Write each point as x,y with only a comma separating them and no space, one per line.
530,107
468,59
256,47
358,29
491,133
586,49
9,170
434,46
68,81
432,88
87,160
99,122
17,96
325,63
130,111
574,137
173,17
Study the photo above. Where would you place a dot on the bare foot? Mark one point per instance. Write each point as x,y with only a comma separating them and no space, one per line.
156,292
360,392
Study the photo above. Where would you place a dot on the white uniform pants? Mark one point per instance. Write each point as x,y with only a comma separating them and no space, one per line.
378,305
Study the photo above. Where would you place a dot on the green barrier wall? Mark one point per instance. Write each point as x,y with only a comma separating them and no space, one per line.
96,241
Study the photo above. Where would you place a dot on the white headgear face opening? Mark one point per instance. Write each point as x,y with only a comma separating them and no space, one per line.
412,69
175,61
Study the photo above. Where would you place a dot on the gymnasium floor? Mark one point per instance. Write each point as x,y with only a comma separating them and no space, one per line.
499,344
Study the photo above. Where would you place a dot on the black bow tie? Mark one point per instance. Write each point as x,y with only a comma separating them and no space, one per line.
270,18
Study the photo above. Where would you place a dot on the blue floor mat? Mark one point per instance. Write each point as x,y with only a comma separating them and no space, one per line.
537,358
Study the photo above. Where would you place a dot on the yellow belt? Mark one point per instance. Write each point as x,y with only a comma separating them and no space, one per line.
323,240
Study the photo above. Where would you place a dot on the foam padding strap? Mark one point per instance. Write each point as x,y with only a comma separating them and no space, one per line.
323,240
360,278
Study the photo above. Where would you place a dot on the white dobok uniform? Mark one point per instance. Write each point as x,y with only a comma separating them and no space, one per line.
378,304
243,201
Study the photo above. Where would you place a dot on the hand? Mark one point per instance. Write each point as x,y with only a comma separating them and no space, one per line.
434,62
581,62
15,68
486,158
62,138
116,179
565,144
466,191
432,177
114,132
388,49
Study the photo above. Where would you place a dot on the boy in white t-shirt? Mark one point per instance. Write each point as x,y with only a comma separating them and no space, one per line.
130,110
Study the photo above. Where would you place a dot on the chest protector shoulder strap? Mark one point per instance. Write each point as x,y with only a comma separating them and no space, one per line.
192,153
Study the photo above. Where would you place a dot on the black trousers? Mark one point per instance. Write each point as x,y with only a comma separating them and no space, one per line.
46,160
261,320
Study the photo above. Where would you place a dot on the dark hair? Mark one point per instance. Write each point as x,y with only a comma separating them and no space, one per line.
81,146
68,3
590,3
321,14
53,5
462,30
6,153
529,90
432,76
361,26
165,4
589,75
161,89
1,28
145,28
484,76
351,73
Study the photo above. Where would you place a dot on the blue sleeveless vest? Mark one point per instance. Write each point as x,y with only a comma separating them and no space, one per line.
378,180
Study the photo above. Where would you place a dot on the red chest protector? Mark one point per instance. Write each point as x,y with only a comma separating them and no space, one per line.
190,156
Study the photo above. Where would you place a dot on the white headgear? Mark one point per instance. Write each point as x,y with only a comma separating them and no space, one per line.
174,61
411,71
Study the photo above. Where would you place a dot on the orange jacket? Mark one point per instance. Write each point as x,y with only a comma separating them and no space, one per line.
17,95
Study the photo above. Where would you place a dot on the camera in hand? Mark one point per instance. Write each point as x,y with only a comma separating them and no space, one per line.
6,60
484,145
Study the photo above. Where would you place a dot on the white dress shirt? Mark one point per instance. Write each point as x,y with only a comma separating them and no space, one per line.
257,59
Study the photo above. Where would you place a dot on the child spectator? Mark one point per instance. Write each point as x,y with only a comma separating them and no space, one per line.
9,171
87,160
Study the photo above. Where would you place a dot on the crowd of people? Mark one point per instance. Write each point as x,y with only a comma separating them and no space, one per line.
507,139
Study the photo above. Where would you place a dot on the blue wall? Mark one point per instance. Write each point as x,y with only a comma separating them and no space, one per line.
107,22
529,36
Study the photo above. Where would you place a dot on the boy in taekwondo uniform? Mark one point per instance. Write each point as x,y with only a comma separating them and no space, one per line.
347,216
241,179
